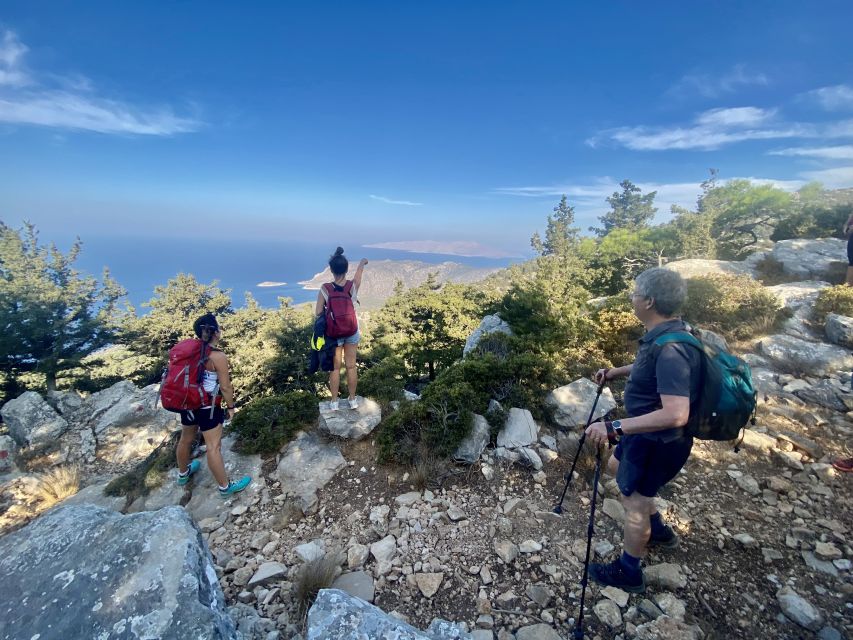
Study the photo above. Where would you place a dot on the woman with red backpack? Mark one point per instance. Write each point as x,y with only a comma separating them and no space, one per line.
337,300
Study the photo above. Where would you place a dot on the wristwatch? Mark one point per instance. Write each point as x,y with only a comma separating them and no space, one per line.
617,427
614,429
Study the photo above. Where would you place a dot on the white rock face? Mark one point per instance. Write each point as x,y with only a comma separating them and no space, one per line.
31,420
694,267
354,424
472,446
520,429
801,357
306,466
573,402
489,324
811,259
799,299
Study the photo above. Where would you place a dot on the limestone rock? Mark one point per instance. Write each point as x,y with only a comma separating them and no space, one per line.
529,457
608,612
429,583
357,555
75,560
306,466
670,605
384,550
520,429
537,632
617,595
798,609
506,550
65,402
614,509
472,446
573,402
801,357
358,584
31,420
408,499
309,551
94,495
839,330
745,540
811,259
489,324
539,594
530,546
666,575
353,424
666,628
748,484
336,615
693,267
266,572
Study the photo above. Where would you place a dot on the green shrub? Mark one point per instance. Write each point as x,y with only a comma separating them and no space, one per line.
838,299
265,424
733,305
813,221
384,381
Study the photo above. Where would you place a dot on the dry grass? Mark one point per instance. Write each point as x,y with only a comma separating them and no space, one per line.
57,484
427,473
315,575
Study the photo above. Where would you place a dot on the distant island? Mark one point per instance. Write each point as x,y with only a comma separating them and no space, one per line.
381,276
267,283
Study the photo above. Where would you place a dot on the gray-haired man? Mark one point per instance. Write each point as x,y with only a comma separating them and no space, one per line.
662,386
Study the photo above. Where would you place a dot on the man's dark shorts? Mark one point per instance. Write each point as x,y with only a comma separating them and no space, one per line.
202,419
850,251
645,465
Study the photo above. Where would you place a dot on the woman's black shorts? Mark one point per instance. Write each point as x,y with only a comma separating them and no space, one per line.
850,250
645,465
202,419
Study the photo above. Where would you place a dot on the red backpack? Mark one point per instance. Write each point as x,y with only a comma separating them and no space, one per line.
340,311
181,388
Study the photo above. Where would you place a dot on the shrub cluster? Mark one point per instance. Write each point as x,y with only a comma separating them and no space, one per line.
265,424
838,299
735,306
384,382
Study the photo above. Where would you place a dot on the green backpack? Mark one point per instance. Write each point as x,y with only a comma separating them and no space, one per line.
727,395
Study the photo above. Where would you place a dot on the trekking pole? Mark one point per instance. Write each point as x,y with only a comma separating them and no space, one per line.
558,509
578,633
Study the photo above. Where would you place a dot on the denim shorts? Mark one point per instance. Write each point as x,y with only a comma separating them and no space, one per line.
353,339
645,465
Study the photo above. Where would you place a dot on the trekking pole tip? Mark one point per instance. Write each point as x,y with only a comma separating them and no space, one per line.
578,634
558,510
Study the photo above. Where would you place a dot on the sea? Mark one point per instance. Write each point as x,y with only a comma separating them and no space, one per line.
140,264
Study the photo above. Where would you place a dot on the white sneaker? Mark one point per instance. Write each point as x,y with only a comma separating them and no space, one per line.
353,403
333,406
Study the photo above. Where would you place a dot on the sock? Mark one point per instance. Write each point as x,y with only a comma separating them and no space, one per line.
185,473
657,523
630,563
225,488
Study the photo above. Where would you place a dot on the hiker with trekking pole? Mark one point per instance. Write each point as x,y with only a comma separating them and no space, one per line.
678,387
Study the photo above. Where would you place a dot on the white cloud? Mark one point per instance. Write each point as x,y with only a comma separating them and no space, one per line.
834,98
716,128
406,203
462,248
714,86
69,102
840,152
835,178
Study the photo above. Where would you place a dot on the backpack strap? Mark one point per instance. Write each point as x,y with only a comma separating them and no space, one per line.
325,291
679,337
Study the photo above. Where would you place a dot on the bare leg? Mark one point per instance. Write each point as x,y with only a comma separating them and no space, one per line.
184,448
349,363
213,439
612,465
849,280
335,374
637,529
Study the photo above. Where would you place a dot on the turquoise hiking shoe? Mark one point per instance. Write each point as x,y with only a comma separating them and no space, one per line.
236,487
194,466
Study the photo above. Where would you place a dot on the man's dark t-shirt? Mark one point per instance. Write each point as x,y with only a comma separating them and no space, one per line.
676,371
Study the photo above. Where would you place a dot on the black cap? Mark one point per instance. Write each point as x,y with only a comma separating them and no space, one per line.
207,321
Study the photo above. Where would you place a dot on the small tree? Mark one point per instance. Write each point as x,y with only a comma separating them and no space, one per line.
629,209
51,316
561,236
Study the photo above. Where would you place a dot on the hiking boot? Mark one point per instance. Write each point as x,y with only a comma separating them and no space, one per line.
353,403
614,574
843,464
333,405
665,539
194,466
236,487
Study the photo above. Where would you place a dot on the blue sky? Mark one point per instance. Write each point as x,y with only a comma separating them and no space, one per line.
452,125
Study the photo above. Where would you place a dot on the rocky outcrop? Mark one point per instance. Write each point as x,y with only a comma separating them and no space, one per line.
694,267
472,446
815,259
336,615
800,357
519,430
32,421
799,298
573,402
65,402
353,424
839,330
489,324
103,574
307,464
